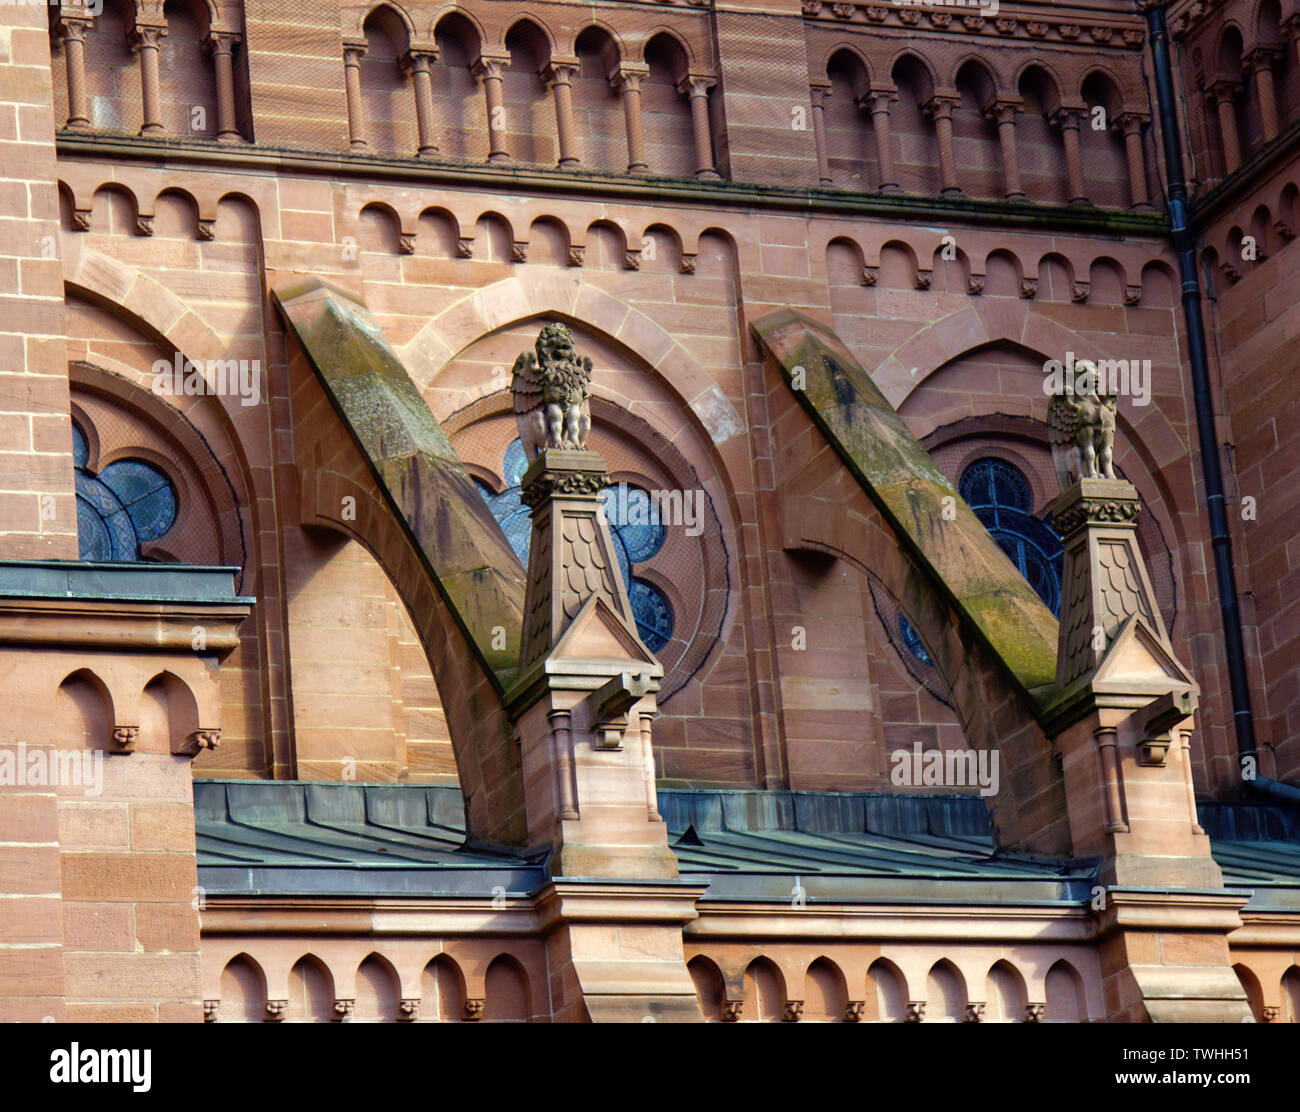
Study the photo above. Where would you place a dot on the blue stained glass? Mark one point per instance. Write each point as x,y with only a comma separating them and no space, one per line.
146,493
627,508
80,452
128,503
1001,498
653,614
515,463
913,641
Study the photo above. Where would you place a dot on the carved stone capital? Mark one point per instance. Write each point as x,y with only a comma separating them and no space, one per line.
221,42
464,247
1261,58
1034,1013
418,61
1003,111
490,67
519,252
73,28
124,738
915,1011
474,1010
688,263
1096,502
343,1010
275,1011
567,475
793,1011
408,1010
210,1009
626,77
732,1010
974,1012
697,84
147,36
560,73
940,106
1028,288
854,1011
577,254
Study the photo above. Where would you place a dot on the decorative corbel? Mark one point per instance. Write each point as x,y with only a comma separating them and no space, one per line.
205,737
609,704
124,739
1159,721
474,1009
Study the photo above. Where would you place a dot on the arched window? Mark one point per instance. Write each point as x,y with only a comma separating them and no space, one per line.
1002,499
129,503
637,532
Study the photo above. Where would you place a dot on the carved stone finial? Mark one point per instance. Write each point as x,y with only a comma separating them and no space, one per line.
1081,428
552,391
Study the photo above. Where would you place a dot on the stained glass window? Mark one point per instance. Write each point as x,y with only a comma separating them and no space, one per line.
637,539
1001,498
128,503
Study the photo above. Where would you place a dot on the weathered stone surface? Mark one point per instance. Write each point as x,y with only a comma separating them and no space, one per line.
912,492
414,462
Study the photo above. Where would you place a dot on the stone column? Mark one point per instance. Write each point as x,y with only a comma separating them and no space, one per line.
1223,93
352,55
222,46
819,95
1259,64
73,30
697,86
878,101
145,41
1067,119
1130,124
417,63
939,109
488,69
1003,113
1291,29
559,75
627,80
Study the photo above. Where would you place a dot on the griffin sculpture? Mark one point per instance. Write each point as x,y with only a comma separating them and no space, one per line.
1081,428
552,394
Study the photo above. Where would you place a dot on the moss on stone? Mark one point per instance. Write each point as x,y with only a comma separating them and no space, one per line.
910,490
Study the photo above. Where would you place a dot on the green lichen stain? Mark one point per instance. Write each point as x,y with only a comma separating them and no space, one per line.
462,545
904,482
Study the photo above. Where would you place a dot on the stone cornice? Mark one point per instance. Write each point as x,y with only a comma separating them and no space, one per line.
1125,33
169,154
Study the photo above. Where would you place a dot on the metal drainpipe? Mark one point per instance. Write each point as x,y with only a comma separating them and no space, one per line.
1184,241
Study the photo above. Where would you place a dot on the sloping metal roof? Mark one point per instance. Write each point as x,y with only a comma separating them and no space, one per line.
343,839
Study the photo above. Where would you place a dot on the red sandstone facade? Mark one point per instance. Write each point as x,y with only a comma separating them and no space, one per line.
932,183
